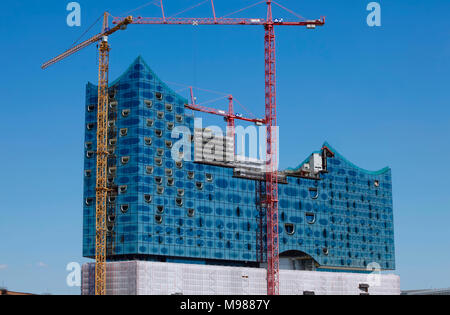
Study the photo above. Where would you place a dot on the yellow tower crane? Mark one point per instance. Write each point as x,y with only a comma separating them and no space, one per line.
102,140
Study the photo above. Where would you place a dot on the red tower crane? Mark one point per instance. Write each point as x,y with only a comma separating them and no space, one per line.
229,116
271,194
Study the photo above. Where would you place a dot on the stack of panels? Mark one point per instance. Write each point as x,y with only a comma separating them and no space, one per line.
154,278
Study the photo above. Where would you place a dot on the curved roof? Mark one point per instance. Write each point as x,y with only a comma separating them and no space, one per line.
140,60
336,153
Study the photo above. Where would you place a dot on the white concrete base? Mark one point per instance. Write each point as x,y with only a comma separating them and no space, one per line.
154,278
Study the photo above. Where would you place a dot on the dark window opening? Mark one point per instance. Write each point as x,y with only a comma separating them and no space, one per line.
289,228
310,218
148,103
149,170
159,95
191,212
158,219
148,141
123,132
314,193
124,208
125,112
160,209
148,198
123,189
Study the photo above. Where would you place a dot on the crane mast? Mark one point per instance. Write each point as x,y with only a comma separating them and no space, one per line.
101,188
271,200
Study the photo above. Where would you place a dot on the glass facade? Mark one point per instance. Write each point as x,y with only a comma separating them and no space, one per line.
191,212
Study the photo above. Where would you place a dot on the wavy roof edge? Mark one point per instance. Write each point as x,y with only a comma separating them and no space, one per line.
332,149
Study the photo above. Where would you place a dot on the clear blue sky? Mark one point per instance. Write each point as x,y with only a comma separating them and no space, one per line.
379,95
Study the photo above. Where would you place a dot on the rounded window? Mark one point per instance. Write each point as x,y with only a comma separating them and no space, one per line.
148,103
310,218
89,201
314,193
123,132
289,228
160,115
125,112
149,170
124,208
123,189
148,141
148,198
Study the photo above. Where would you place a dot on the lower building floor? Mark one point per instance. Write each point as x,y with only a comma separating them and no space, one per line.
162,278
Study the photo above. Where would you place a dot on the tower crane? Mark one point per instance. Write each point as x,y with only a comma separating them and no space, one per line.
102,139
229,116
271,192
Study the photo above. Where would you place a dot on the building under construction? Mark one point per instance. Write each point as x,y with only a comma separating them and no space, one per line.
196,223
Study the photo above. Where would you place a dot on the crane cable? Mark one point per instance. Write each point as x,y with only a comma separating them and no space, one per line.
84,33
